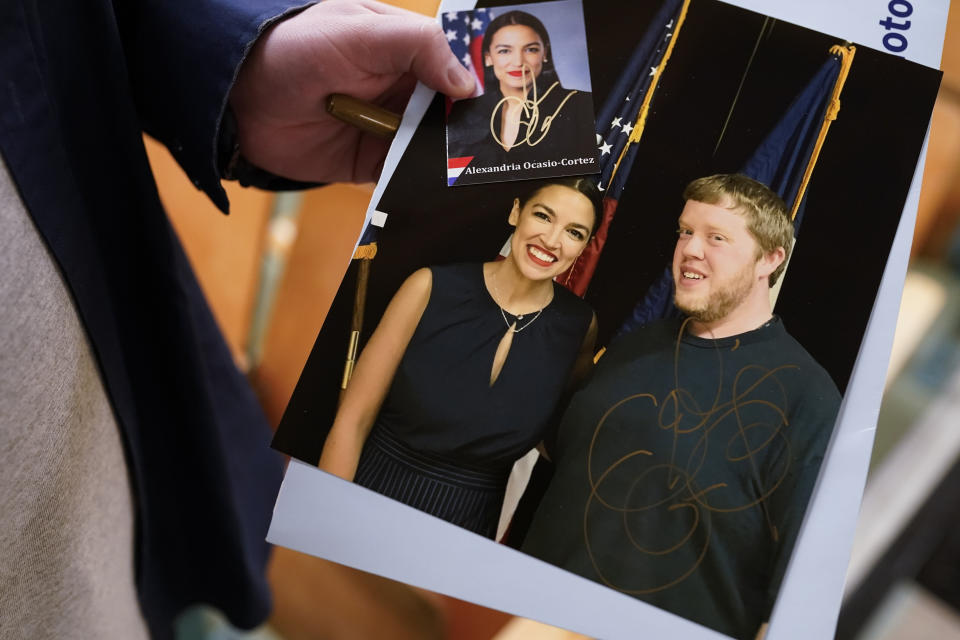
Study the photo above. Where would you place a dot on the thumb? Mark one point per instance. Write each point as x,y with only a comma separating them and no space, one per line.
417,45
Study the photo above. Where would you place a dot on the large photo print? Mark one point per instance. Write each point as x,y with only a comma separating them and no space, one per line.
673,335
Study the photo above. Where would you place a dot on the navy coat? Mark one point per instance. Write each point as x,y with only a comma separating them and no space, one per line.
79,81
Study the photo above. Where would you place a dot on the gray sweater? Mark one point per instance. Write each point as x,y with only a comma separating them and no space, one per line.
66,510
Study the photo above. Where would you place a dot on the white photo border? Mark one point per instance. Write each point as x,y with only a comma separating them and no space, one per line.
322,515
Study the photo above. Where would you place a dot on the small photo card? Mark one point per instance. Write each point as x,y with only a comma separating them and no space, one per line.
532,115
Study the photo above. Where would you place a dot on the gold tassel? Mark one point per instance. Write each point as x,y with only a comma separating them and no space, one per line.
641,120
365,252
846,54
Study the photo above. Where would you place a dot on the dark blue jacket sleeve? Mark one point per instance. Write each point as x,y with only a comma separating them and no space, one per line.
183,58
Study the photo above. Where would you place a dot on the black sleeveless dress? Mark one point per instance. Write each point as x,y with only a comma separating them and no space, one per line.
446,439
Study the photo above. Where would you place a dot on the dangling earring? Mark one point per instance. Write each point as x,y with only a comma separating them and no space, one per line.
545,60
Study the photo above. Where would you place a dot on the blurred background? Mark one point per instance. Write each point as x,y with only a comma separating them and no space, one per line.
272,267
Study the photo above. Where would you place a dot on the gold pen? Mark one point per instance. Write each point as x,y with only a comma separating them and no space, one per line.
363,115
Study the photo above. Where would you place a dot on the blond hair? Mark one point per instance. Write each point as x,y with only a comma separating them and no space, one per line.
767,218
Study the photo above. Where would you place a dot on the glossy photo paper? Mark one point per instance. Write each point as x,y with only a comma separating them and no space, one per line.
698,488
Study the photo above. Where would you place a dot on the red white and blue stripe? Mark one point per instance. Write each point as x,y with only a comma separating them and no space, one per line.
455,167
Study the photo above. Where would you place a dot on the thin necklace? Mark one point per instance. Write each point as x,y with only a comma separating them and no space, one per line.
512,327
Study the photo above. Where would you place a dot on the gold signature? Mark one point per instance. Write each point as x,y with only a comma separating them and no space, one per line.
530,113
678,489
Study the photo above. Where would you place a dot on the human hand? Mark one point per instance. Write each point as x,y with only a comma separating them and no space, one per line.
361,48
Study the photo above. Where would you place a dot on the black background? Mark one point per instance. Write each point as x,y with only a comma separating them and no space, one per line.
854,199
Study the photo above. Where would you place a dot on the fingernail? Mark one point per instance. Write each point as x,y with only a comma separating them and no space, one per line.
459,76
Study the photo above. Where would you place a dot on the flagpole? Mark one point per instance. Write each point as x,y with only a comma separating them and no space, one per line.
364,255
382,123
743,80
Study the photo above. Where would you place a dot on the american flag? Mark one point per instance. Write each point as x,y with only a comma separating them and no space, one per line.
464,30
619,125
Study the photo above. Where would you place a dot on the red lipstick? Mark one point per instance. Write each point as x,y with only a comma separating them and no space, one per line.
537,260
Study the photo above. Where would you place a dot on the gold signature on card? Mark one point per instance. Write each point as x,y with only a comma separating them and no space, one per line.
530,113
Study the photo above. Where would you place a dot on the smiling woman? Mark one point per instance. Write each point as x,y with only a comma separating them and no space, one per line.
433,415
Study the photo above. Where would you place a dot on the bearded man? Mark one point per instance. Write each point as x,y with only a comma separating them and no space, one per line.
684,466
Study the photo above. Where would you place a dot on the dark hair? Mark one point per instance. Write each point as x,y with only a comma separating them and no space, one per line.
584,185
548,73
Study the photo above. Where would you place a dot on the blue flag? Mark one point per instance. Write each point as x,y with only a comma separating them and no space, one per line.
781,162
369,235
